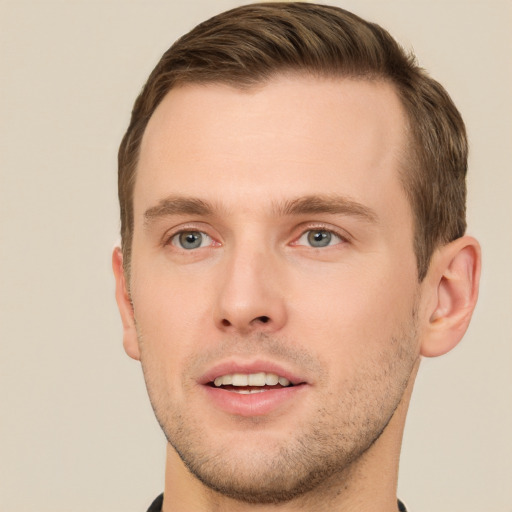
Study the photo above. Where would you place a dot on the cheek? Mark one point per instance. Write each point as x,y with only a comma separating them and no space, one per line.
171,313
355,312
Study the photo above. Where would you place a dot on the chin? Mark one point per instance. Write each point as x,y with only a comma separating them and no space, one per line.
269,468
259,478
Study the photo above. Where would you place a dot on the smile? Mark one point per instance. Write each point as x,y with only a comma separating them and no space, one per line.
251,383
252,389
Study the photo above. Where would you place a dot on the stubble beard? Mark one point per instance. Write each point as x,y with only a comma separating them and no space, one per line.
323,450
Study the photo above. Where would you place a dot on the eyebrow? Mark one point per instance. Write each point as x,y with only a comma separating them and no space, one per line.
306,205
177,205
331,204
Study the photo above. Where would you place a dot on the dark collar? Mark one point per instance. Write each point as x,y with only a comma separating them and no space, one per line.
156,506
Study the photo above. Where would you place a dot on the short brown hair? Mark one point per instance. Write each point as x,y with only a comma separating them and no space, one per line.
250,44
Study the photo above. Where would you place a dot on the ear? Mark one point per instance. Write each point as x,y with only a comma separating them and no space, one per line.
453,278
124,303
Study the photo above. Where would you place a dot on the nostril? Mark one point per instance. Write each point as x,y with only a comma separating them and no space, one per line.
257,320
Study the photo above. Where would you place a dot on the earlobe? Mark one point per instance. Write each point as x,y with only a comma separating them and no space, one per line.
454,275
130,341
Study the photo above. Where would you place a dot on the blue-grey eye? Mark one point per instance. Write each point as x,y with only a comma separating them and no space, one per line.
319,238
191,240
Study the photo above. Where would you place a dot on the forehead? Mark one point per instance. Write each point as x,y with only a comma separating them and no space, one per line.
292,136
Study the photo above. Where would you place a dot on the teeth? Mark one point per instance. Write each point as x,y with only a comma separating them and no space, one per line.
256,379
251,379
271,379
239,379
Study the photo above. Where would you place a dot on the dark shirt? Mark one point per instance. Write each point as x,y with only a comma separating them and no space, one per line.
156,506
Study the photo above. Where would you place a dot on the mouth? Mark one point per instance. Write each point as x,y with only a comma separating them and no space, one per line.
251,383
252,389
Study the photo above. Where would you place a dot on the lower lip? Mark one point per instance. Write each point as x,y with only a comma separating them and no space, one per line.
254,404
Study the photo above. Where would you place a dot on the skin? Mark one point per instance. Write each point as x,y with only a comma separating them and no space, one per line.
350,319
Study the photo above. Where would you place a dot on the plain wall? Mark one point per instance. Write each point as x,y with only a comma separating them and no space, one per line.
76,429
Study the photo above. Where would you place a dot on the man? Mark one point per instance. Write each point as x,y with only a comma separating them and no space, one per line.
292,192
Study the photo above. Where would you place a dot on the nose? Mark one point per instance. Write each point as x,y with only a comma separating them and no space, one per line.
251,294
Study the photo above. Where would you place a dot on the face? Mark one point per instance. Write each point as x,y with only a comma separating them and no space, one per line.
273,278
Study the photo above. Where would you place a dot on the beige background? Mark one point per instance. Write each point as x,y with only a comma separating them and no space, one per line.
76,430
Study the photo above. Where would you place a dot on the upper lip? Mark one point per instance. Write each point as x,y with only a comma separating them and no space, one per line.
247,367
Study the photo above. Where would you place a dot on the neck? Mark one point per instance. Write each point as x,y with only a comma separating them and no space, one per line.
368,485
